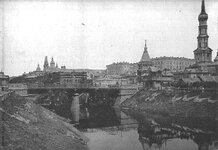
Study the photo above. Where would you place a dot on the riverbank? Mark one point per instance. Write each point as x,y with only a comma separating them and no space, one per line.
26,125
191,104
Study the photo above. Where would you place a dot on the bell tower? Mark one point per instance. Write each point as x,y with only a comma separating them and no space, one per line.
203,54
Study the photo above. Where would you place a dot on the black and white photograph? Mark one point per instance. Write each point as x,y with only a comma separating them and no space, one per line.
109,75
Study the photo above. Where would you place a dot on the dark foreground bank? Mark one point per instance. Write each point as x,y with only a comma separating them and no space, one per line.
189,104
25,125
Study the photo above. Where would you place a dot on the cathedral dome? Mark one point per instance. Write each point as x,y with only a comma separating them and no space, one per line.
38,68
203,16
52,61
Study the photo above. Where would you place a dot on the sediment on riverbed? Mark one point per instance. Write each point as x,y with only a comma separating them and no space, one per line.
189,104
26,125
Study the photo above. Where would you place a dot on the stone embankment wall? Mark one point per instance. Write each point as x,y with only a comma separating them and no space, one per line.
26,125
191,104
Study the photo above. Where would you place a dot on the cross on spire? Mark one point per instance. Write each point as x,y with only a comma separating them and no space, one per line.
145,43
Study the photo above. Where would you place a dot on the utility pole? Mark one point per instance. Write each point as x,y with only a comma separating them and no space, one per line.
1,125
2,68
2,129
2,34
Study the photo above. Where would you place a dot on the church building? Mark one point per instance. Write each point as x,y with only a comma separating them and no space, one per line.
144,65
52,67
204,66
203,54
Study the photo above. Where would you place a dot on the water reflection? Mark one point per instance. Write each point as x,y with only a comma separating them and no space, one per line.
132,130
98,117
109,128
159,131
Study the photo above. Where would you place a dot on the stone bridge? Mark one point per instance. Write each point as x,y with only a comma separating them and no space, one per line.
113,94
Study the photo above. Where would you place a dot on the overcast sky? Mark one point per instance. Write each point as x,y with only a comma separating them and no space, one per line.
93,34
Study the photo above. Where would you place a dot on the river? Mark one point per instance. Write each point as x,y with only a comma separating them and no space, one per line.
112,129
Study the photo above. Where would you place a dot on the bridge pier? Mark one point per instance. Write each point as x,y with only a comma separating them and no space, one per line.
75,108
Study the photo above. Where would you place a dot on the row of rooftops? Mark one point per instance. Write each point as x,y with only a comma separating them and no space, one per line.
156,58
121,63
200,79
171,57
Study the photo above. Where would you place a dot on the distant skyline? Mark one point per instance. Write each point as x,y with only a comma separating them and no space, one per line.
92,34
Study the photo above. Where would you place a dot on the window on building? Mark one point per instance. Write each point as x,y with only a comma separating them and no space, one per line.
203,31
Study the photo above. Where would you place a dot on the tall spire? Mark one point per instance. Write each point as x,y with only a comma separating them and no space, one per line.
203,7
145,45
203,15
46,63
145,55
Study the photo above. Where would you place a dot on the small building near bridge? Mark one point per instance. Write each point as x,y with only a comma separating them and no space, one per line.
4,79
19,88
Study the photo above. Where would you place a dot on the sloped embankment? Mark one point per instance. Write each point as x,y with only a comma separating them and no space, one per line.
29,126
192,104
